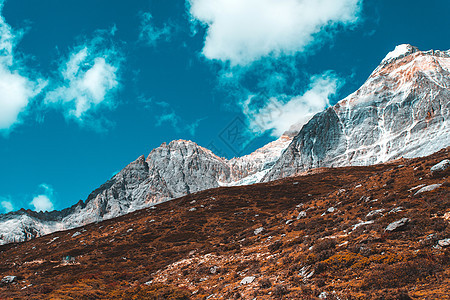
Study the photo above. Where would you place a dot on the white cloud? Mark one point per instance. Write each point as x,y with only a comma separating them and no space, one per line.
243,31
7,206
150,33
87,80
16,89
279,114
43,202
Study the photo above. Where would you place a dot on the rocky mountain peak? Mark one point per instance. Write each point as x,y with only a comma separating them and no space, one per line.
402,110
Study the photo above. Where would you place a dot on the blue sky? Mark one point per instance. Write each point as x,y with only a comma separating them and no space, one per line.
88,86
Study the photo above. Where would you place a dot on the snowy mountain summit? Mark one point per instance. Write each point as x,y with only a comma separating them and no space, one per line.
402,110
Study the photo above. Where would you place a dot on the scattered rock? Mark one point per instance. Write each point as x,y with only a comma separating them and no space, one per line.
444,243
68,259
302,214
76,234
398,225
248,279
428,188
374,213
447,216
361,224
440,167
258,230
8,279
416,187
396,210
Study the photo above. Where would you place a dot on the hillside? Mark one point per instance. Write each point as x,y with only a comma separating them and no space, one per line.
374,232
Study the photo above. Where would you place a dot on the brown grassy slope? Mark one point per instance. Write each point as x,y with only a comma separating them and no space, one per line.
204,244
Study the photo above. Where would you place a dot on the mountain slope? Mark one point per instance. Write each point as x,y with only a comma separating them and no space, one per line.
170,171
402,110
375,232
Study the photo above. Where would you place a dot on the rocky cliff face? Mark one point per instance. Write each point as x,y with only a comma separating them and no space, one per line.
402,110
170,171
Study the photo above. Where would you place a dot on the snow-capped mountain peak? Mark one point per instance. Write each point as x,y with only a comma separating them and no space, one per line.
402,110
400,51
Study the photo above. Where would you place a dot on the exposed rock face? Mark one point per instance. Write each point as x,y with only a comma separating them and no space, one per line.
398,225
440,167
170,171
403,109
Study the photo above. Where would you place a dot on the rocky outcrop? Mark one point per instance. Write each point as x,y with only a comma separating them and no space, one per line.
402,110
169,171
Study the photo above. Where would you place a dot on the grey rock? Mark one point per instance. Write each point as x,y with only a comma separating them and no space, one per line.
444,243
258,230
428,188
301,214
247,280
440,167
8,279
397,225
402,110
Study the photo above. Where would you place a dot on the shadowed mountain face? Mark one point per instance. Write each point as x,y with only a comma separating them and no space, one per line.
402,110
374,232
170,171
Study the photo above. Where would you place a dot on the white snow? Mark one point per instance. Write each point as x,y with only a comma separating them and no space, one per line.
398,51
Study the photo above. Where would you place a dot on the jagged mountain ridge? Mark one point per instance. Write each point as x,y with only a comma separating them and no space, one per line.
363,129
170,171
375,232
403,109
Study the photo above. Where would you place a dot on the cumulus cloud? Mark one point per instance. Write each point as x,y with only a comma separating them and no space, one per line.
43,201
16,89
243,31
7,205
283,113
87,80
150,33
